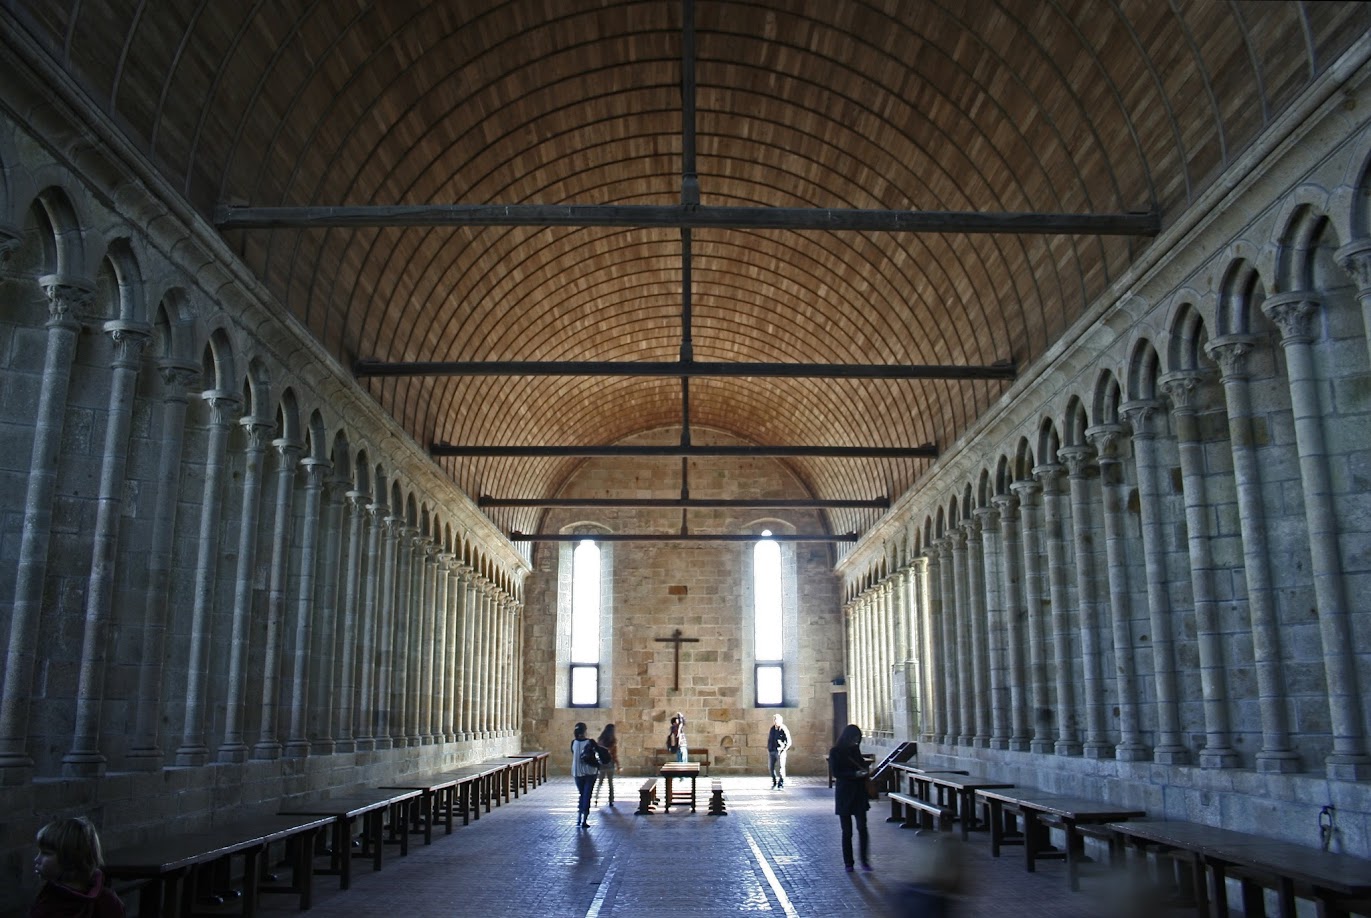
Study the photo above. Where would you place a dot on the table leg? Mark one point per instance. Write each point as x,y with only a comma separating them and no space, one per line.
996,829
1032,835
1074,849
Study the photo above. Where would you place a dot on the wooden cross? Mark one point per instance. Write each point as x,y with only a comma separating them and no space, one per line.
678,641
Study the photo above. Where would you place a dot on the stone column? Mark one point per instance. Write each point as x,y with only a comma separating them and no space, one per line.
84,758
904,703
485,644
66,300
1036,615
865,670
1015,616
506,654
442,701
1078,462
1276,755
469,664
975,620
1294,314
411,679
1355,258
947,653
390,649
325,640
916,662
268,745
428,609
461,638
397,724
233,747
963,639
353,619
146,752
881,622
1144,416
1063,660
297,743
993,677
368,649
933,710
1182,388
452,611
193,750
1105,438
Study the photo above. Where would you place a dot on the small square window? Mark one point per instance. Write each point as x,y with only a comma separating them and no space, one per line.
585,686
769,685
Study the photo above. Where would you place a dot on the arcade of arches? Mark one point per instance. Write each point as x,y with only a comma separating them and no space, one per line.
230,570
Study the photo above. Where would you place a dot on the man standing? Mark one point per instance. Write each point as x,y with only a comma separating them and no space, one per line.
777,742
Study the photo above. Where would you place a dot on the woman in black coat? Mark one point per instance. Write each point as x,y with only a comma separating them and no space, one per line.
850,801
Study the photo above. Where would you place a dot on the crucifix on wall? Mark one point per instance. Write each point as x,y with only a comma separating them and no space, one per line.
677,640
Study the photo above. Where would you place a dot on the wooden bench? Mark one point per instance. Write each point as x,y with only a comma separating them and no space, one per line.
172,866
915,813
1337,883
716,798
1040,810
647,797
370,807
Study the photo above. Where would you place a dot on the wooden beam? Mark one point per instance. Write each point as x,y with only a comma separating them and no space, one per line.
684,216
691,503
686,369
927,451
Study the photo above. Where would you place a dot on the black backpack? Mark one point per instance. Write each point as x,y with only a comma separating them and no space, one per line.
590,754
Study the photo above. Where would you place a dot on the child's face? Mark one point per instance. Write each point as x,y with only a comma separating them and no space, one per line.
46,865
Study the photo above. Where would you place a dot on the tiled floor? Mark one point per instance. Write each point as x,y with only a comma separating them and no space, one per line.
776,852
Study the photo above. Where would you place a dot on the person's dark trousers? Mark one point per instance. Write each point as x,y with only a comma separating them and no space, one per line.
777,768
863,838
584,785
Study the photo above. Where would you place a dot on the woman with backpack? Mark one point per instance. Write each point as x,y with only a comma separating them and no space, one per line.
609,742
584,772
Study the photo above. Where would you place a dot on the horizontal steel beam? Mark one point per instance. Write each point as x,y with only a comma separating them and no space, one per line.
686,503
684,216
681,368
680,537
927,451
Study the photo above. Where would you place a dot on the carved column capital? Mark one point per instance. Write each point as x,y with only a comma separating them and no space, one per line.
129,339
223,406
1355,258
1048,475
1105,438
358,500
288,450
987,518
257,432
1008,505
1294,315
1078,460
1230,353
1144,415
10,240
68,298
1183,389
1025,489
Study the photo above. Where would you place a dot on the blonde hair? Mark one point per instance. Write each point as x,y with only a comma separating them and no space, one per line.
76,844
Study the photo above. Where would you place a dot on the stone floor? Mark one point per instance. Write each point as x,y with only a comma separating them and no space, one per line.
776,852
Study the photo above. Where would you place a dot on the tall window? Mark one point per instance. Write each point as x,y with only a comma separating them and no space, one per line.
768,621
585,624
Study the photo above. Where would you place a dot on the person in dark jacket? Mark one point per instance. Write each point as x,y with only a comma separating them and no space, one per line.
68,862
850,801
777,742
584,774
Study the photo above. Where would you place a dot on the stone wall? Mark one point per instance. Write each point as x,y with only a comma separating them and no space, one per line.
1143,575
703,588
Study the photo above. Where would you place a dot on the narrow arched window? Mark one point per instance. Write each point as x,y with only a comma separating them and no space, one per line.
585,624
768,621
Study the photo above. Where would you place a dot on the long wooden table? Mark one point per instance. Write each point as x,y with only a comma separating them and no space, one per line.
1294,871
957,790
1039,809
679,771
170,862
538,767
369,806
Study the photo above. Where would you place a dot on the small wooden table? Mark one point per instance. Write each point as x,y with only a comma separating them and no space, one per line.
679,770
1035,806
1294,870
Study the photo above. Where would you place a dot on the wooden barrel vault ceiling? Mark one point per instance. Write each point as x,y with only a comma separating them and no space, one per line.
972,107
